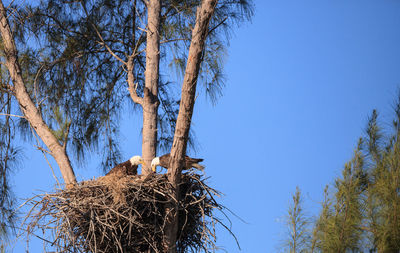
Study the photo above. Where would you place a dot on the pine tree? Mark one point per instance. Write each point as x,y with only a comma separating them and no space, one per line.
73,66
297,224
363,212
383,198
341,217
9,157
98,56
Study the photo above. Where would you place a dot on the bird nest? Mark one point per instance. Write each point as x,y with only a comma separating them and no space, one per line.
125,214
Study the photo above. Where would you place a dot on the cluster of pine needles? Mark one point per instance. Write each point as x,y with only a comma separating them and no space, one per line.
125,214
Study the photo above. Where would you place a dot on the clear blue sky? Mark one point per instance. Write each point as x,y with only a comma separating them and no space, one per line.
302,79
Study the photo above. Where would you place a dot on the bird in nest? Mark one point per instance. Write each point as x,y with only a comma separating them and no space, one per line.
127,168
189,162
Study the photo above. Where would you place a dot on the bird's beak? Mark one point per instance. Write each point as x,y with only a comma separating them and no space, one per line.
153,168
142,163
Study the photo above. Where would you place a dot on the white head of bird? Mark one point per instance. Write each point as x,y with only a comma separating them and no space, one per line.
136,160
154,163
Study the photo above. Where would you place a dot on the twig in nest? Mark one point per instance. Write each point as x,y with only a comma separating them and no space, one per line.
126,214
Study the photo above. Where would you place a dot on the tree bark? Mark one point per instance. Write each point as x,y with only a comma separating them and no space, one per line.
178,151
27,106
150,100
130,64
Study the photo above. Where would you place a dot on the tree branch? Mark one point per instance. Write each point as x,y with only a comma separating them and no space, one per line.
103,43
197,45
215,27
13,115
131,83
27,106
130,64
107,47
199,34
173,40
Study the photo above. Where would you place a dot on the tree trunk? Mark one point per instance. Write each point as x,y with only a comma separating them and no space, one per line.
150,100
27,106
178,151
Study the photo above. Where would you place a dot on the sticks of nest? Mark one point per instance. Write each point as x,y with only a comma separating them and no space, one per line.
126,214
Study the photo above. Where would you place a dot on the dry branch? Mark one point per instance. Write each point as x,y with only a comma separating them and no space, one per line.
128,214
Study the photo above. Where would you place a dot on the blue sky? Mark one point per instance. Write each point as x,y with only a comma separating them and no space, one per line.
302,78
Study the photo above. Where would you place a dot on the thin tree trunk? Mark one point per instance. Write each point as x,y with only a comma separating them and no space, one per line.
178,151
150,100
27,106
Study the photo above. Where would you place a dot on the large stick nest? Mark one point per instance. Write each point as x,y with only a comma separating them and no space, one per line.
125,214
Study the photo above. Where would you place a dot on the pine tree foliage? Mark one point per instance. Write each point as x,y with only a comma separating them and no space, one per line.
341,217
361,214
318,236
74,58
78,55
384,189
9,158
297,224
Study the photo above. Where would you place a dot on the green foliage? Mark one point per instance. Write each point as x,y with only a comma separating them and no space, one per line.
341,217
384,190
10,155
63,125
68,64
363,212
9,158
297,224
68,54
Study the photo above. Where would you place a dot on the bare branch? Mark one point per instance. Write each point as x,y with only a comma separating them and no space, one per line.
141,29
173,40
107,47
13,115
42,149
130,65
134,96
9,5
215,27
